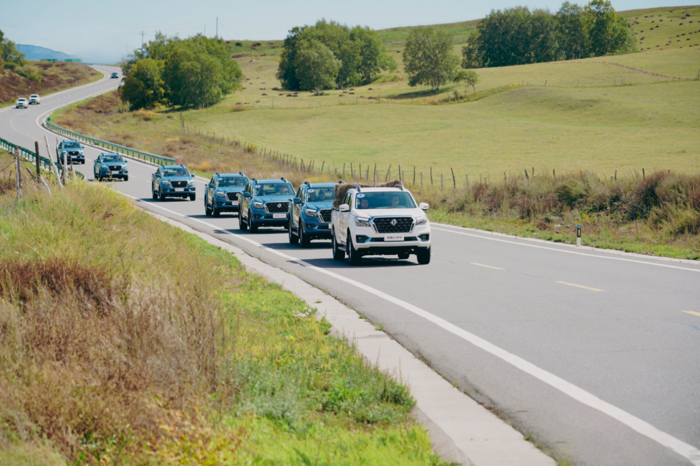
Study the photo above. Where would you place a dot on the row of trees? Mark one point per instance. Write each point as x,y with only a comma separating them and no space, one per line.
193,72
518,36
10,57
331,55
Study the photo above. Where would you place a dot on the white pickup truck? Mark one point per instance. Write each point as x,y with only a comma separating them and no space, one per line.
378,221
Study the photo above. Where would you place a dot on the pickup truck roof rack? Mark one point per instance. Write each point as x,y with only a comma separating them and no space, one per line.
283,178
307,183
341,182
357,186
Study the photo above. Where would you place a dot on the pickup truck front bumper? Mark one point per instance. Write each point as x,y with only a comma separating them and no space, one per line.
368,242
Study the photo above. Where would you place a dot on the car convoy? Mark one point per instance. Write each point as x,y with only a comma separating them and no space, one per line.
23,102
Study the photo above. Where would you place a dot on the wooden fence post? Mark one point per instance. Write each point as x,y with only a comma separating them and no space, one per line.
454,180
38,159
18,174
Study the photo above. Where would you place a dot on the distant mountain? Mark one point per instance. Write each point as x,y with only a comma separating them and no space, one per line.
33,52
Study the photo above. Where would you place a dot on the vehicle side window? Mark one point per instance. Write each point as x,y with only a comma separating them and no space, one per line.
213,181
348,196
300,193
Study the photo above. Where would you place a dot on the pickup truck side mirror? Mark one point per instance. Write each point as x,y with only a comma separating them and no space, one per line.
424,206
297,200
246,194
344,208
192,175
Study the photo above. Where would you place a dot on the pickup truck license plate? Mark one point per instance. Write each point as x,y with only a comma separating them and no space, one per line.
393,238
179,189
279,215
234,202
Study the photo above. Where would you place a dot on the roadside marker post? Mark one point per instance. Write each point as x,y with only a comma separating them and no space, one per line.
578,235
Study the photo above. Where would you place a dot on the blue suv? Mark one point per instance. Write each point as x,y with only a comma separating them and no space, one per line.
310,214
265,203
222,192
173,181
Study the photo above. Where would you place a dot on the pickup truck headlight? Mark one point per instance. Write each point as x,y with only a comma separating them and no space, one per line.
125,168
166,182
258,205
310,212
361,222
421,221
191,182
220,194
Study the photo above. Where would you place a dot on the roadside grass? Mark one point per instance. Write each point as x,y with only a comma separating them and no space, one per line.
55,76
127,340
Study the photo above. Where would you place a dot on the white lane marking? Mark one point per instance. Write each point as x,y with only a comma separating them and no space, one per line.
578,394
565,252
487,266
579,286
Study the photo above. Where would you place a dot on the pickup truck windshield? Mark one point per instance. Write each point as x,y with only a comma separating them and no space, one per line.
71,145
231,181
273,189
320,194
178,171
113,158
386,200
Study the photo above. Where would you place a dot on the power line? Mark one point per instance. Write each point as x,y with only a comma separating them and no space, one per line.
142,34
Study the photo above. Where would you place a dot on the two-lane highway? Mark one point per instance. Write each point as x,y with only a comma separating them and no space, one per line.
594,354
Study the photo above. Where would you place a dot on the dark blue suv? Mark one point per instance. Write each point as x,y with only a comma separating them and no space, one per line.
222,192
265,203
311,213
173,181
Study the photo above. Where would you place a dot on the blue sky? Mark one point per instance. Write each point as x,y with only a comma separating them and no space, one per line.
108,30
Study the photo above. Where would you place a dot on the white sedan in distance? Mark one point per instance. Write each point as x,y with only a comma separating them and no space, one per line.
22,103
34,99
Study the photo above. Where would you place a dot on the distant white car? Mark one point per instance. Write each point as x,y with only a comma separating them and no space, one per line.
22,103
34,99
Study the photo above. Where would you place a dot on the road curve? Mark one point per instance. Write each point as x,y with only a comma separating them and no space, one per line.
593,354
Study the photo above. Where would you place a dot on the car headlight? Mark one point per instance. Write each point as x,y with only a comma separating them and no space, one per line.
311,211
125,168
258,205
166,182
421,221
361,222
220,194
191,182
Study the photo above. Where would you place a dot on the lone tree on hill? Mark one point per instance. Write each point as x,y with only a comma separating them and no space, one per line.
317,68
468,77
428,58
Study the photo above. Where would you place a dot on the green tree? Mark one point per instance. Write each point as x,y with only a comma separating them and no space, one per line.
542,41
9,55
316,66
373,55
286,71
472,56
428,58
144,86
504,37
468,77
571,34
606,31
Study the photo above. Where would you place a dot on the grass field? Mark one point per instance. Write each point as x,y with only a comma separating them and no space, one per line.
105,362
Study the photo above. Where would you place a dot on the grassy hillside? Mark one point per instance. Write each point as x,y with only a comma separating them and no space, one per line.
49,77
665,28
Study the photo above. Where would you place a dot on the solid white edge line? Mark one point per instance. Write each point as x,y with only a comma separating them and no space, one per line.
563,251
578,394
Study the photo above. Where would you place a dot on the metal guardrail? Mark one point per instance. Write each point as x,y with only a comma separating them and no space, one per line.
26,154
117,148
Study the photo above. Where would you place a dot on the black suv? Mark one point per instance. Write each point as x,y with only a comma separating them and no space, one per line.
310,214
222,192
265,203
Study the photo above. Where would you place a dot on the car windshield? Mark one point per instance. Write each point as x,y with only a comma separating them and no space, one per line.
384,200
273,189
320,194
176,171
21,100
113,158
33,96
71,144
230,181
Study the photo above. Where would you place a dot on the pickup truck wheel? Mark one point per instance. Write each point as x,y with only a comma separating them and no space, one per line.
153,194
423,256
404,255
303,238
354,257
293,239
251,223
126,178
207,210
243,226
215,212
337,253
193,197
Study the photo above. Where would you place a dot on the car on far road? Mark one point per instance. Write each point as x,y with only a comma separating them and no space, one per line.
73,150
222,193
115,76
310,213
34,99
22,103
382,220
111,166
265,203
173,181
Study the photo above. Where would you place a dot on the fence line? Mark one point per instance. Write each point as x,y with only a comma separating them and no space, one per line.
26,154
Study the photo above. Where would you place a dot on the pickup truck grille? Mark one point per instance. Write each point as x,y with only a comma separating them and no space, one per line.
74,152
325,215
393,224
115,168
277,207
178,184
232,196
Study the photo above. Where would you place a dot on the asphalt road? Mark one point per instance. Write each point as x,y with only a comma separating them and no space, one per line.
594,354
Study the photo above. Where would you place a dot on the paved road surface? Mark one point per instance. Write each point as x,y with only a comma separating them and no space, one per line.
595,355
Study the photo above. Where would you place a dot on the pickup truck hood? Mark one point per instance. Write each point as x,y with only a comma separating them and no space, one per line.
266,199
319,205
178,178
389,213
230,189
112,164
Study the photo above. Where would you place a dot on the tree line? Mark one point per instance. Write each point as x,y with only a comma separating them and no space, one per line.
330,55
193,72
518,36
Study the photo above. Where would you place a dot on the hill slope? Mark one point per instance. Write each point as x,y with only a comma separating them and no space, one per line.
34,52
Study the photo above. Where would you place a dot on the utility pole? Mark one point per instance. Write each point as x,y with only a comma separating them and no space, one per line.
142,34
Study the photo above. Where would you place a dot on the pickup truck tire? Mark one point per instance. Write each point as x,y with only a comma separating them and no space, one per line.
293,239
251,223
303,238
354,257
243,226
215,212
126,178
207,210
337,253
404,255
423,256
193,197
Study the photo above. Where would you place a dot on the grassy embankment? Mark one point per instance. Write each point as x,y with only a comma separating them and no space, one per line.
48,77
104,360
